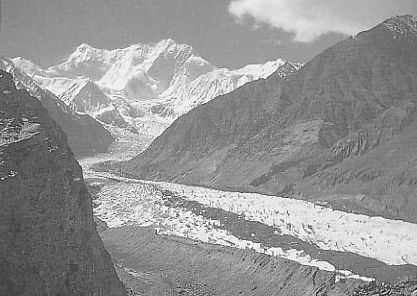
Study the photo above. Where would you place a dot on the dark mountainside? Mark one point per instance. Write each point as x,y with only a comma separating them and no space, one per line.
342,130
86,136
48,241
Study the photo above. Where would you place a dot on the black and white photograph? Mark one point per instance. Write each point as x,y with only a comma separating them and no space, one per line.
208,147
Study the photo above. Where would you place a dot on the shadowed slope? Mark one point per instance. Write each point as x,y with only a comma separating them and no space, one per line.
48,241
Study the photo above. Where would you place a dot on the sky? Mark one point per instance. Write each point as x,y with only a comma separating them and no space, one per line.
228,33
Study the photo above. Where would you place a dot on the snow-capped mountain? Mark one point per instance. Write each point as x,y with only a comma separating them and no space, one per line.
144,85
86,136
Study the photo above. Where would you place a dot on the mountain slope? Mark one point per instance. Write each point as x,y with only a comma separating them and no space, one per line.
167,265
341,130
144,85
86,136
48,241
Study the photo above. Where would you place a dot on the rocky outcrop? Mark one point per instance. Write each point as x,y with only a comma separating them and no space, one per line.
405,287
86,136
342,130
48,241
112,116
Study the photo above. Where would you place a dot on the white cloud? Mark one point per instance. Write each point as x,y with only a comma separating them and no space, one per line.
309,19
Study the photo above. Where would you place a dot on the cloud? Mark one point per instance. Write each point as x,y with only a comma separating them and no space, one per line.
309,19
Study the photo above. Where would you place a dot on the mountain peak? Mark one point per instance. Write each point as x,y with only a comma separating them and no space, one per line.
26,65
172,44
404,25
407,19
83,47
398,28
167,41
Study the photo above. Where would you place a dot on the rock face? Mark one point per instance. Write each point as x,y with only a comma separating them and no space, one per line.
86,135
404,287
341,130
48,241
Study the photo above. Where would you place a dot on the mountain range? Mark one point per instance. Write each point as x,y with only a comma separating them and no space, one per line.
341,131
142,87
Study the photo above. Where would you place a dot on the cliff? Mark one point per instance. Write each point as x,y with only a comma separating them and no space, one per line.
48,241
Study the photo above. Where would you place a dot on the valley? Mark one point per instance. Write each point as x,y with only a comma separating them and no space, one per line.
350,246
269,150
